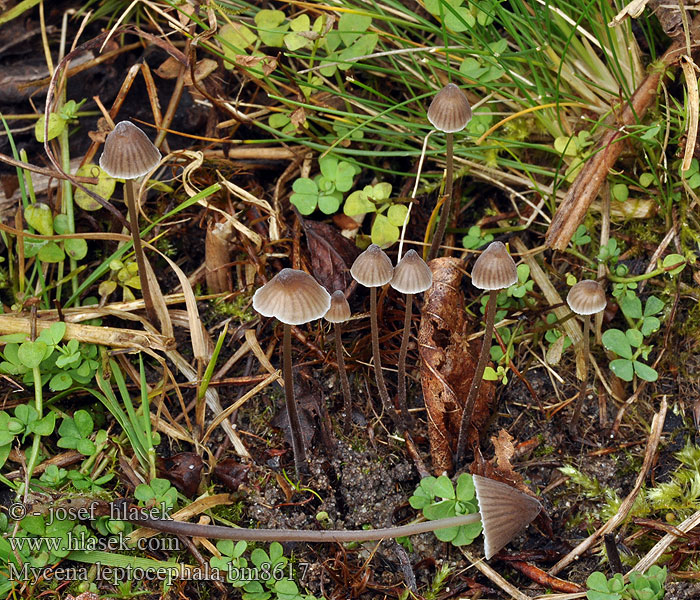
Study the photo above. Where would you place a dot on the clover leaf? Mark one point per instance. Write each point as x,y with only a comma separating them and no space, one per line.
439,499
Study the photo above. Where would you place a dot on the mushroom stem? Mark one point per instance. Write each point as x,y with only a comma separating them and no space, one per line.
138,250
344,384
403,404
381,385
298,447
220,532
478,378
447,207
584,382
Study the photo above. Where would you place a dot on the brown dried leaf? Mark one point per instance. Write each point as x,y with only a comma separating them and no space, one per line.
183,470
331,255
169,68
269,63
504,449
231,473
448,363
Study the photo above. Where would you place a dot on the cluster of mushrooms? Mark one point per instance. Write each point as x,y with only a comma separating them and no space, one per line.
295,297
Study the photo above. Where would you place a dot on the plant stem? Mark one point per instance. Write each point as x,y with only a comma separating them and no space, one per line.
447,208
294,535
138,250
344,384
298,446
381,385
403,404
478,378
34,452
584,382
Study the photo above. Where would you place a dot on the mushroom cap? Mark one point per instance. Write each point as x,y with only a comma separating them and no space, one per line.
372,268
505,512
450,111
293,297
128,153
412,275
494,269
339,312
587,297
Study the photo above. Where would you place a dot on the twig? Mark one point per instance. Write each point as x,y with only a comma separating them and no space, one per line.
494,577
657,425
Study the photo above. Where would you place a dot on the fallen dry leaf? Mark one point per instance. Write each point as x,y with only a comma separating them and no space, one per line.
331,255
448,363
183,470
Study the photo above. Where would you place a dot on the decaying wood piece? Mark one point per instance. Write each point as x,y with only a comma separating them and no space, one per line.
588,182
448,361
217,257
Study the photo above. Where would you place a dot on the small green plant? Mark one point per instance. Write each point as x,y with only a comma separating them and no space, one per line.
159,492
646,586
439,499
325,191
75,434
630,345
389,216
475,238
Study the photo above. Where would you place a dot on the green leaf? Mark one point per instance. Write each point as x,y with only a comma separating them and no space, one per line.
443,488
653,306
466,534
104,187
61,381
490,374
293,41
650,325
646,179
645,372
620,192
305,196
616,340
31,353
363,46
397,214
76,248
85,447
45,426
51,253
384,234
674,259
344,175
352,25
465,487
237,35
54,333
270,27
634,337
622,368
462,21
329,203
39,217
56,126
631,305
440,510
83,422
358,204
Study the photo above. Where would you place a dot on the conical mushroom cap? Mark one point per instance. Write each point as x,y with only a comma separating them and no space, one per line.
450,111
494,269
505,512
339,312
128,153
372,268
587,297
293,297
412,275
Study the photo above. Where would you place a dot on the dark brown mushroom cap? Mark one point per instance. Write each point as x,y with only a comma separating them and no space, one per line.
339,312
293,297
494,269
372,268
128,153
450,111
412,275
505,512
587,297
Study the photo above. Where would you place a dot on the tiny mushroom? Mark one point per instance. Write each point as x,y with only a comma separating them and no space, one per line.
449,112
412,275
505,511
494,270
373,269
338,313
129,154
294,298
585,298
